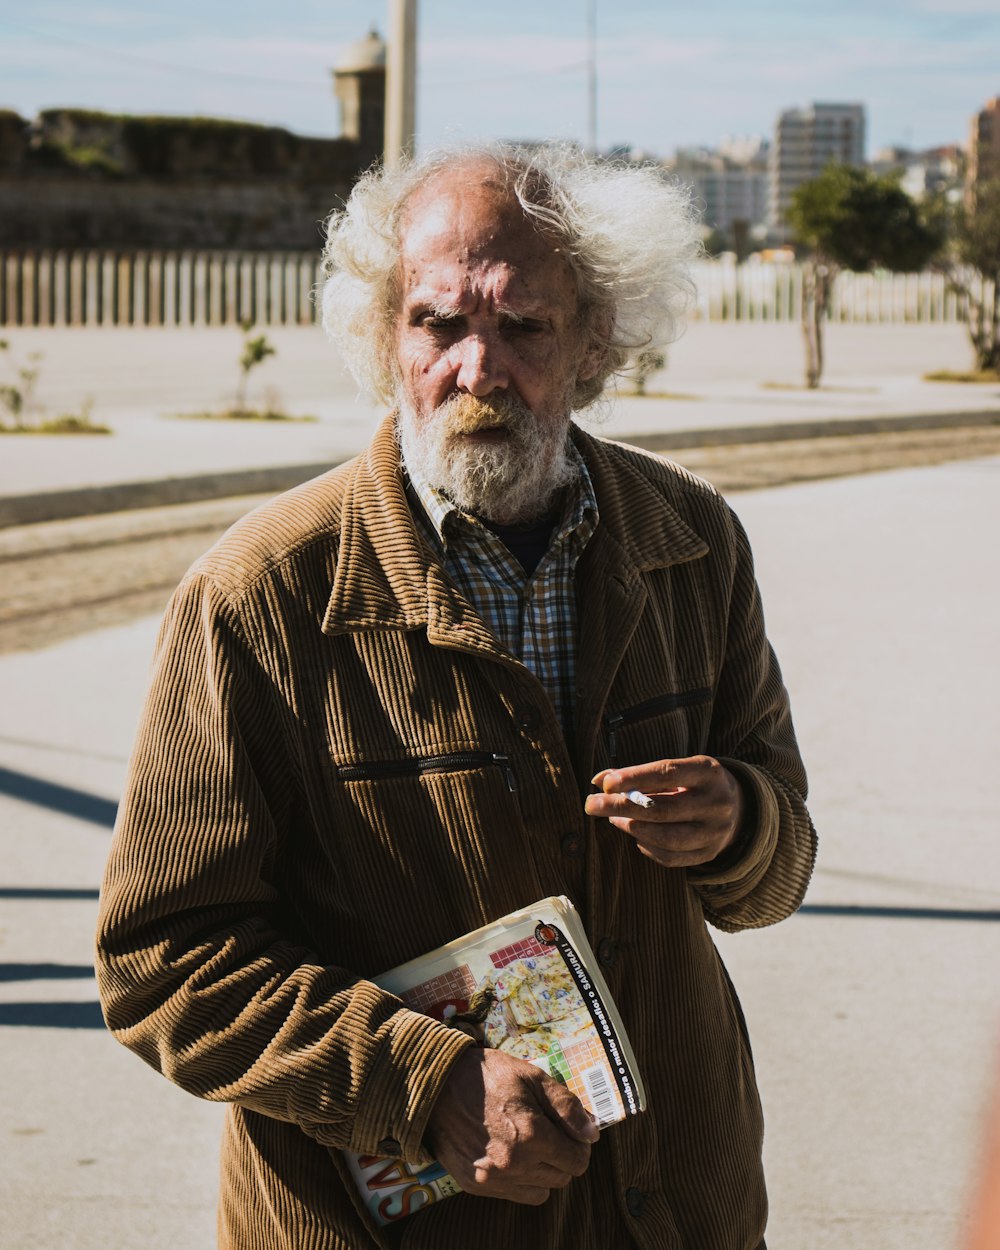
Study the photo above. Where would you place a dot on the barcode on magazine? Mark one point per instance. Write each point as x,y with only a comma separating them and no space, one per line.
602,1098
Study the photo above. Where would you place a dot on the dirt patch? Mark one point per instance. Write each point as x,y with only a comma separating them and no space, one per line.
754,466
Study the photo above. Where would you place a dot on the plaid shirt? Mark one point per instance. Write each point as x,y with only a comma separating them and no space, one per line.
534,616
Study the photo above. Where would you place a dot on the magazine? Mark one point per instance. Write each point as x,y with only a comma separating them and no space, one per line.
527,984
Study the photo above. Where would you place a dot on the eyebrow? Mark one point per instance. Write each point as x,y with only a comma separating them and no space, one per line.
453,311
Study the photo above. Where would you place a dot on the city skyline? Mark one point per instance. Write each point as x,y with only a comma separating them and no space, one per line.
667,78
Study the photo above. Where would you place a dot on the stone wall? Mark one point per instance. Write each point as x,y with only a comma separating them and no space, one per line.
75,178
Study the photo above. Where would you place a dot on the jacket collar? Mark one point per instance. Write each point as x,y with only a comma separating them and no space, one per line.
639,530
387,577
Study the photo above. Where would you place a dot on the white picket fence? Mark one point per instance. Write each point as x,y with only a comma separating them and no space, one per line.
773,292
111,288
98,288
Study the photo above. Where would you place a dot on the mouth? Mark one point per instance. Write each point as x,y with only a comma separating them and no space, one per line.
476,421
492,421
485,433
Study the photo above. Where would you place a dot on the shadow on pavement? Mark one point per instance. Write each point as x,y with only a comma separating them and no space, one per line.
52,1015
899,913
55,893
46,972
65,799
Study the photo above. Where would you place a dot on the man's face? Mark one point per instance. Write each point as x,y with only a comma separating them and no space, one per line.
488,346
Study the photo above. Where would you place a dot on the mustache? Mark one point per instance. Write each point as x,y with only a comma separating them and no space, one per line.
468,414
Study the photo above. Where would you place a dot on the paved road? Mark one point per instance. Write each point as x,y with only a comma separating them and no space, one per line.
110,569
874,1012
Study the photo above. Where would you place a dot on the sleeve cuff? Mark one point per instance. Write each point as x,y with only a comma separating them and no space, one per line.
404,1085
745,861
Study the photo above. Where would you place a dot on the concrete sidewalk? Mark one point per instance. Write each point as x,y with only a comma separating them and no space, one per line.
875,1012
723,381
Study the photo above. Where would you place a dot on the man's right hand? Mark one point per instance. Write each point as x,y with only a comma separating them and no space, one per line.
505,1130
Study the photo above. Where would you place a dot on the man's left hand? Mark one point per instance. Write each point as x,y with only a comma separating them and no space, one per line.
696,809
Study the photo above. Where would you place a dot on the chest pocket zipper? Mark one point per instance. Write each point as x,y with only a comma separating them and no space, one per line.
614,721
378,770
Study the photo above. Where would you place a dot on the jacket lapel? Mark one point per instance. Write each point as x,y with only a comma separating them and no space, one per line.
638,531
386,577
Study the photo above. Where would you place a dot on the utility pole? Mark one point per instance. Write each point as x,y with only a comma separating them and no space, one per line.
592,77
401,82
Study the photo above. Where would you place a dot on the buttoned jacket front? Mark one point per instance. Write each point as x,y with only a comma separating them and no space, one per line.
339,768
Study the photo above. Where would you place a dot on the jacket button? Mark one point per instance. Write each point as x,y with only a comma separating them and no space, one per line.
389,1147
571,845
527,718
635,1201
607,953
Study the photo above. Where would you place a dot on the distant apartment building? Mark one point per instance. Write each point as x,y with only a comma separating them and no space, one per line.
930,172
730,185
984,147
805,142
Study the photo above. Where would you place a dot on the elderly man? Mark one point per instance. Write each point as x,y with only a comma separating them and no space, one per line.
413,695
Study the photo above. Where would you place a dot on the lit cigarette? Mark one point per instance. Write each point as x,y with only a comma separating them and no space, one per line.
639,799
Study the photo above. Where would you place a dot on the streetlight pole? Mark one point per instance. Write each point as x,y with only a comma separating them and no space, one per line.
592,76
401,82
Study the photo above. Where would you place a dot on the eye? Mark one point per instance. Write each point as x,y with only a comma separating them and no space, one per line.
525,326
438,324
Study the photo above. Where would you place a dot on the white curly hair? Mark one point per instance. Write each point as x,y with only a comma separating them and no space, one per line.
628,231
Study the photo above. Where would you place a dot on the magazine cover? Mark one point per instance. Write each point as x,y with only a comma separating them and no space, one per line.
527,984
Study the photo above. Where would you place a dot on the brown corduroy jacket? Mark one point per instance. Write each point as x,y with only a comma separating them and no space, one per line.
339,768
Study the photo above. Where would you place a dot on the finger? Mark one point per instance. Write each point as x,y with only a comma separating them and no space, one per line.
659,777
645,778
683,838
492,1184
552,1177
678,805
666,858
566,1111
541,1155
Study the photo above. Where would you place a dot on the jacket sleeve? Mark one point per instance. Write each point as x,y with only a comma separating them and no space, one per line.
202,969
765,878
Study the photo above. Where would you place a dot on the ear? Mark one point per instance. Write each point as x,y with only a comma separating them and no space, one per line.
598,329
590,362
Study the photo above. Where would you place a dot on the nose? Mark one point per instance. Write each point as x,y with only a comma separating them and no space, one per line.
481,368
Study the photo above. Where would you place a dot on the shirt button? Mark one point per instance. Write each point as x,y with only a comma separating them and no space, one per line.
607,953
635,1201
571,845
389,1147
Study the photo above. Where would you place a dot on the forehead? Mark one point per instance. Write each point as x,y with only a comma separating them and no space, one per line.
464,233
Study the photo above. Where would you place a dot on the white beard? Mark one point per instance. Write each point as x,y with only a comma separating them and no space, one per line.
510,481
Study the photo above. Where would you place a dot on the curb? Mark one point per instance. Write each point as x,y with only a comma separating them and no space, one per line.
787,431
63,505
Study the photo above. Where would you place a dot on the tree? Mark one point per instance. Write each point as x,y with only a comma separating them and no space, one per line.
646,364
974,271
255,352
850,218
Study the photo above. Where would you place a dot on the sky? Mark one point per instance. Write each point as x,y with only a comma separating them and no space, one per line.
668,74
